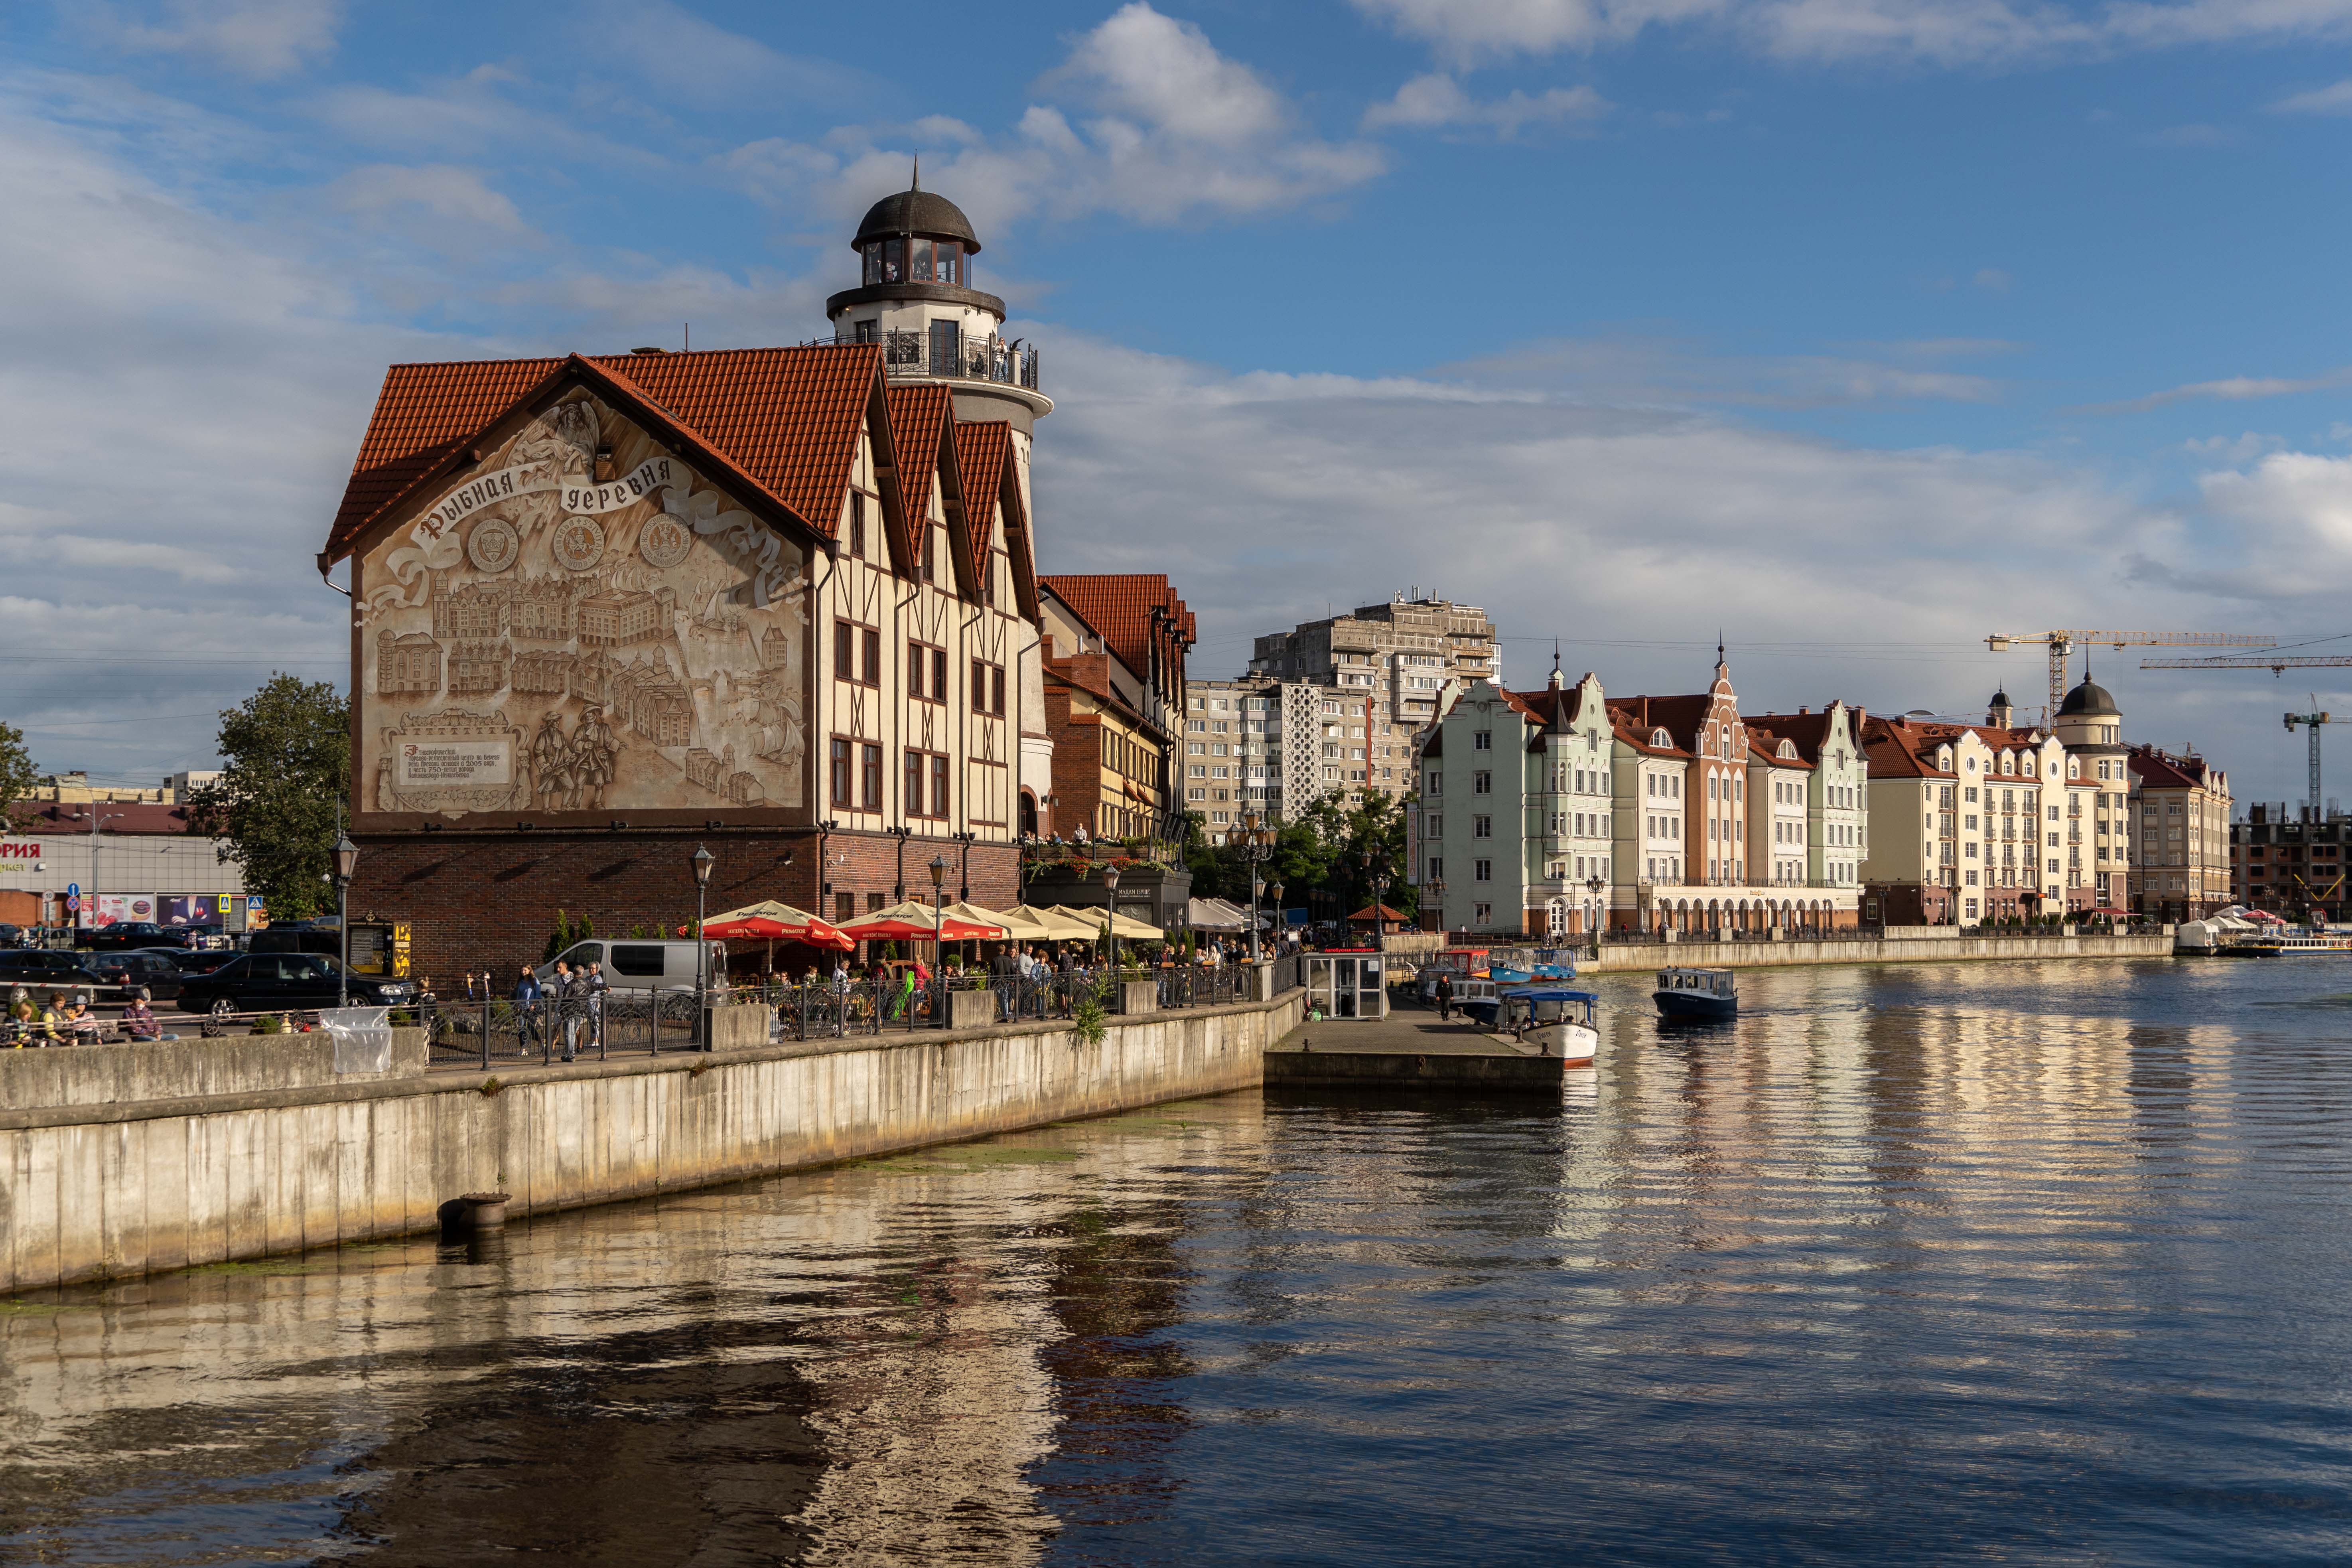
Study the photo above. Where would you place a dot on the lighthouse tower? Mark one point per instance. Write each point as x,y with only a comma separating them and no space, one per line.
914,296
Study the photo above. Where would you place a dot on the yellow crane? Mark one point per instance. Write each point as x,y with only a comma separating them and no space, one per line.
2063,644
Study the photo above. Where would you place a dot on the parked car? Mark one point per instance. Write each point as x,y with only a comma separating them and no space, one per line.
46,968
639,965
10,935
193,960
209,937
123,935
158,972
299,937
280,981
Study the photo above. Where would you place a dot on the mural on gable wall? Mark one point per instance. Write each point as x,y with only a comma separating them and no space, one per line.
539,642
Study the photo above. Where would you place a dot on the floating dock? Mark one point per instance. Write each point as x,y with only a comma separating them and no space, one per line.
1409,1051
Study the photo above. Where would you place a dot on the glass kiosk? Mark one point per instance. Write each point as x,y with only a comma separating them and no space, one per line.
1347,985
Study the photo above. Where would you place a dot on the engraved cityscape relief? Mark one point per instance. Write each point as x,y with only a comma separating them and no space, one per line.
583,623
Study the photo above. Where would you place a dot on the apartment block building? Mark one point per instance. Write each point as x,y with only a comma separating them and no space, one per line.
2289,863
1561,811
1387,668
2179,808
1971,824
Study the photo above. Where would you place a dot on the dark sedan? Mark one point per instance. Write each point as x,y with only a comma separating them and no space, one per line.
285,982
160,973
41,969
125,934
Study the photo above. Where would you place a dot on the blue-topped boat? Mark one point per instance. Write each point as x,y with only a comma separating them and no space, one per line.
1697,994
1556,1020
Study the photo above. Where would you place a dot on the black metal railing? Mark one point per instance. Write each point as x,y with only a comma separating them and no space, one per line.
958,357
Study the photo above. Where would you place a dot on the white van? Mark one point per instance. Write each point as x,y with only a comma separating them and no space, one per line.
637,965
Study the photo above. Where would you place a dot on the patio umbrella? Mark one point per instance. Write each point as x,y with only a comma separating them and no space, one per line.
1034,924
1208,914
1125,925
911,921
972,914
772,921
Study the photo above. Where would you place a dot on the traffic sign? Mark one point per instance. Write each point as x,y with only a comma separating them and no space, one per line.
73,903
73,890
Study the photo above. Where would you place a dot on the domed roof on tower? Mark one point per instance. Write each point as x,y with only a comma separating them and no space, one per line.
916,211
2089,699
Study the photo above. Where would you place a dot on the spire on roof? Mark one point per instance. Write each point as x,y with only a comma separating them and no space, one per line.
1556,680
915,180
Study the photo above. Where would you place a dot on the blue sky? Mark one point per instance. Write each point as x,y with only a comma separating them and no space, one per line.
1856,328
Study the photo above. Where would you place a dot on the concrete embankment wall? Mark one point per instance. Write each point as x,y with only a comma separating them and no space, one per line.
210,1170
1868,950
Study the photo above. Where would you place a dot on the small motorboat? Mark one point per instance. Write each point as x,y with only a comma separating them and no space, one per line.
1697,994
1557,1021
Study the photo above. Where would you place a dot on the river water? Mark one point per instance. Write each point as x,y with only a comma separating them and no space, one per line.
1993,1263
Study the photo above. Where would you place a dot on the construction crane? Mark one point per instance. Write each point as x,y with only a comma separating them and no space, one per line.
2276,663
2062,643
2312,721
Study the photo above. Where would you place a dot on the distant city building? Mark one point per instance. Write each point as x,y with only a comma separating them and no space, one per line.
1556,812
2090,726
2289,863
2181,808
1993,808
1113,668
1394,663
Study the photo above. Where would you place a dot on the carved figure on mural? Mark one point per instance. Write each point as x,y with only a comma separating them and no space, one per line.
647,619
594,753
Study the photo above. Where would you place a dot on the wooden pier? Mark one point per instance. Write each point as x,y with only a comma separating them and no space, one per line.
1409,1051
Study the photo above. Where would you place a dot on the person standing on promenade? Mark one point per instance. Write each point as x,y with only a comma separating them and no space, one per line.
1444,998
597,986
571,1006
526,1003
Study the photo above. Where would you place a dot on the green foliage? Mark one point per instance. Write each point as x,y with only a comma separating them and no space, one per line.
565,934
1088,1018
286,770
16,774
269,1024
889,952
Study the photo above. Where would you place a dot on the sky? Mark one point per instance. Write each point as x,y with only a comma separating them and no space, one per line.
1848,331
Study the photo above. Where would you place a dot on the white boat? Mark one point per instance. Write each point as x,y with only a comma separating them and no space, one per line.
1557,1021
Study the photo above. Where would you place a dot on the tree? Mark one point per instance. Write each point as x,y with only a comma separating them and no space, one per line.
16,772
286,770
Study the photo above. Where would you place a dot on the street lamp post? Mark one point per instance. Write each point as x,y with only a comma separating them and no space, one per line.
347,859
1257,848
1110,912
1437,891
1274,895
1380,873
938,921
97,821
702,862
1593,884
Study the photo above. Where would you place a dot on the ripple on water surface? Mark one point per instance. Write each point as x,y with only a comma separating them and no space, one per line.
1941,1264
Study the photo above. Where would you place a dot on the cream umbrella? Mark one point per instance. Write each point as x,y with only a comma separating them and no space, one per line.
1125,925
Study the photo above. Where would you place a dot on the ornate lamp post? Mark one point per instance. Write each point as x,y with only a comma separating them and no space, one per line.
1274,893
347,859
702,862
1437,891
1379,876
1257,848
939,869
1110,912
1593,884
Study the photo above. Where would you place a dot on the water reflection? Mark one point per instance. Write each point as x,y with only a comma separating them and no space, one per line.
1930,1264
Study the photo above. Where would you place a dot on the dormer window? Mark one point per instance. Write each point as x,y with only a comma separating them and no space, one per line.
1943,761
1786,750
1660,739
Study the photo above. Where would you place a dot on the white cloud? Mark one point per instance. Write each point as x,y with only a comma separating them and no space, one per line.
1145,119
2242,449
1931,32
1668,373
1438,100
2331,100
248,37
448,198
2228,389
1991,279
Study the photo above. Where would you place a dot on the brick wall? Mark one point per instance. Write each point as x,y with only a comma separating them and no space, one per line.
490,899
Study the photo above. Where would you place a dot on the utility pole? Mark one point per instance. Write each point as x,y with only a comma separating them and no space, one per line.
2313,720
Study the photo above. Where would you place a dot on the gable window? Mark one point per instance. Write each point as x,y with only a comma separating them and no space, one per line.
1481,783
987,688
857,522
839,767
927,673
857,653
1483,741
869,779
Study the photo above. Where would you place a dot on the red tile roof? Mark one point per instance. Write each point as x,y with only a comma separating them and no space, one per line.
785,420
919,424
142,817
1119,607
983,449
2162,770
